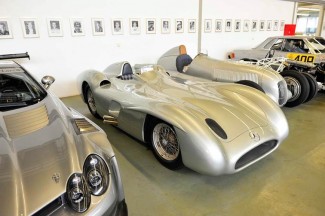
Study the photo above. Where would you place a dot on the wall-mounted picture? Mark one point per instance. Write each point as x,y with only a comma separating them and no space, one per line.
246,25
98,26
228,25
5,30
179,25
54,27
117,26
269,25
218,25
151,26
135,26
77,27
275,25
237,25
192,25
262,25
207,25
282,25
165,26
254,25
30,27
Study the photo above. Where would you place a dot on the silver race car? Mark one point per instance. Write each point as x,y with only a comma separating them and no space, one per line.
53,160
210,127
273,84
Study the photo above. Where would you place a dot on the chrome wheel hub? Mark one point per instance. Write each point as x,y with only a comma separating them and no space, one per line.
294,87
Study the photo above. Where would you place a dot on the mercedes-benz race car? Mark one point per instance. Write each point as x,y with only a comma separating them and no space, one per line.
273,84
212,128
53,160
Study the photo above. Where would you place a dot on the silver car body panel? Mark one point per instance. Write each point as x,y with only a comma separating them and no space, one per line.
208,68
186,104
38,143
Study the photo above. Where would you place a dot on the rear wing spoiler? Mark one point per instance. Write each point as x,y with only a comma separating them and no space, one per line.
14,56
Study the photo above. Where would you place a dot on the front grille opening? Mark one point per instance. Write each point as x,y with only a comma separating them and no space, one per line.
255,153
51,207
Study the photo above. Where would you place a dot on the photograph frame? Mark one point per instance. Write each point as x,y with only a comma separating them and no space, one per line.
5,30
151,26
246,25
282,23
98,26
269,25
135,26
179,25
228,25
117,30
165,25
254,25
30,31
262,25
77,26
191,25
55,26
275,25
218,25
207,25
237,27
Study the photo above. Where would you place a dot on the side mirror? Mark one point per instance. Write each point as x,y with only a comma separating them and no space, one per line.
47,81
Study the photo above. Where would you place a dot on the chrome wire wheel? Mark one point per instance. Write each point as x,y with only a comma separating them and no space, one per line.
294,87
91,101
165,142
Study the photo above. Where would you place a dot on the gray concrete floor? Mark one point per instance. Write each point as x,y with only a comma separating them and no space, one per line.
290,181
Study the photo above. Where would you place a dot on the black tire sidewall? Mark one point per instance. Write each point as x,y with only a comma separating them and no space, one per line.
313,86
251,84
94,113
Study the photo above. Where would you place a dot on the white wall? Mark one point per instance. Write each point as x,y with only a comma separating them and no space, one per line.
65,57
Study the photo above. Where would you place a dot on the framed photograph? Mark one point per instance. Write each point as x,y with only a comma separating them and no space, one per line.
275,25
30,27
151,26
218,25
282,22
192,25
54,27
98,26
237,25
254,25
246,25
135,26
117,26
269,25
228,25
5,29
262,25
179,25
77,27
165,26
207,25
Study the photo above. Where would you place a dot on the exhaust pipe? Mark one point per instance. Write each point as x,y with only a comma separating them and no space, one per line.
110,120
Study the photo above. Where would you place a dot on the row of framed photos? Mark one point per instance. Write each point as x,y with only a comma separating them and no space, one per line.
55,26
245,25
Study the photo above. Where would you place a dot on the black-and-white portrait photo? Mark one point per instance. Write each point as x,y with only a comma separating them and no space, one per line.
246,26
262,25
269,25
98,26
254,25
228,25
207,25
275,25
151,26
237,25
77,27
218,25
30,27
5,32
55,27
135,26
191,25
117,26
282,23
165,26
179,26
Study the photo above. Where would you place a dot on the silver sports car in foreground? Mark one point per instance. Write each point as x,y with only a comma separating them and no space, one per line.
273,84
53,160
210,127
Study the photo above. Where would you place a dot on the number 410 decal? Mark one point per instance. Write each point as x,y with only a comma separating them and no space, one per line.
301,57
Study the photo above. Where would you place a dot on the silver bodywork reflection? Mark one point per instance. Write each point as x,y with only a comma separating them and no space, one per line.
186,104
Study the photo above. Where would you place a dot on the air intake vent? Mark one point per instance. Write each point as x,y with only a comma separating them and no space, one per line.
256,153
26,122
81,125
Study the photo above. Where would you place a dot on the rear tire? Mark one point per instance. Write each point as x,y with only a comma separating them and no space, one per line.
313,86
165,145
251,84
90,100
298,85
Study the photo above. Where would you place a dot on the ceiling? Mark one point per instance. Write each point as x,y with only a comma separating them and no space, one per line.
319,2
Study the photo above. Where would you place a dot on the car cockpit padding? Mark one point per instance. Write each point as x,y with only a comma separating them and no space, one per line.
182,61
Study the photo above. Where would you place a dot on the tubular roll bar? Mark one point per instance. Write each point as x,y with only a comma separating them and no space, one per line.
14,56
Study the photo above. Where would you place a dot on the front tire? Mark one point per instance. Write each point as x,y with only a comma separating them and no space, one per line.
298,85
165,145
313,86
91,103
